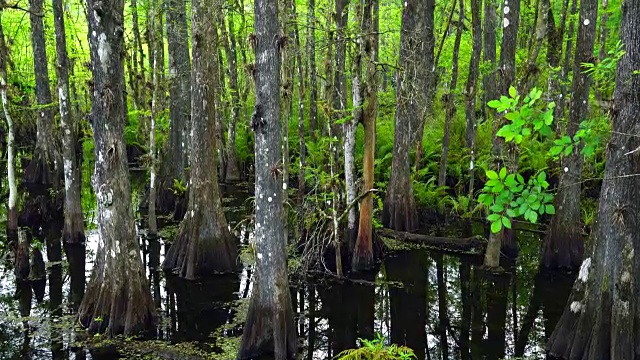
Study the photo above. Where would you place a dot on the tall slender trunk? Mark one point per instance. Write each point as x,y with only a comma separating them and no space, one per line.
204,246
531,71
443,318
489,81
229,43
563,245
449,99
340,80
301,133
175,157
118,298
471,90
350,125
311,52
555,40
363,251
45,165
287,63
602,40
73,231
12,206
155,89
505,155
601,316
559,111
270,326
399,210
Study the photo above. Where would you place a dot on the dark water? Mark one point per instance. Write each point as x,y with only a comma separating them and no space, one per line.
440,305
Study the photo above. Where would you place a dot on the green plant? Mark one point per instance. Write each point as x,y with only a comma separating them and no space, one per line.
526,119
376,349
179,187
604,71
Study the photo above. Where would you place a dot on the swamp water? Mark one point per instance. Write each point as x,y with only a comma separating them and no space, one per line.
440,305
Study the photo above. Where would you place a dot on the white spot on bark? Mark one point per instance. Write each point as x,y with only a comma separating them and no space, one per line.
284,186
269,199
104,52
576,307
626,276
505,23
259,256
192,213
583,275
566,169
471,165
586,22
506,10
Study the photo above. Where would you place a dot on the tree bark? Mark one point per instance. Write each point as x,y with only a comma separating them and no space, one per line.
601,316
363,251
270,327
204,245
118,299
429,80
490,81
44,167
443,318
229,42
175,154
155,90
399,210
505,155
563,246
311,52
471,90
449,99
12,206
73,230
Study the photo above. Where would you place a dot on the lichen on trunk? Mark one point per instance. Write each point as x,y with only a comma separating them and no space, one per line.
118,298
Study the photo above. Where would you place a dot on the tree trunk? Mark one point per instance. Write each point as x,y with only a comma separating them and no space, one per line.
505,155
443,318
490,81
563,246
531,72
73,230
399,210
270,327
600,318
301,133
429,80
311,52
340,79
350,125
449,99
204,245
363,251
44,167
471,90
602,40
118,299
555,40
229,42
155,89
175,154
12,206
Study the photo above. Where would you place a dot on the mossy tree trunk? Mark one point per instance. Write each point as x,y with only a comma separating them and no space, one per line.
399,210
270,329
471,90
118,298
600,320
73,230
313,81
563,246
12,206
204,245
45,167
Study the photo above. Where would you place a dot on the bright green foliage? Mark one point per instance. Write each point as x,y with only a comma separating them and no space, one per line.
509,196
590,135
604,72
526,119
376,350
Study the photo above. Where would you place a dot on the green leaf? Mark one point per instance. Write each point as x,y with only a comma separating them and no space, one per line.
506,222
512,213
505,132
535,205
503,173
496,226
550,209
494,104
555,150
526,132
523,208
497,208
568,150
498,188
492,174
512,91
542,176
533,217
493,217
520,179
512,116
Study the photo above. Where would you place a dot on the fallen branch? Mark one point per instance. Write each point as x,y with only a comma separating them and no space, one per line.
474,245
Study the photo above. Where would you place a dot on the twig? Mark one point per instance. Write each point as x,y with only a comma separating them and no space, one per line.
354,202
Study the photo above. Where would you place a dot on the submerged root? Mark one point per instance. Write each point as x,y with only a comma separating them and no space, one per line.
562,250
203,247
41,170
399,213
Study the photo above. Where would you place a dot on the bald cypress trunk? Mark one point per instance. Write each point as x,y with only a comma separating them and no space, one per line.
175,152
505,155
270,329
563,244
600,320
204,245
229,43
118,299
73,230
12,206
489,82
399,211
363,251
311,52
449,99
45,165
471,90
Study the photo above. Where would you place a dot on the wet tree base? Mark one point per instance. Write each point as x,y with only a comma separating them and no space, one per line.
201,249
258,342
562,250
40,172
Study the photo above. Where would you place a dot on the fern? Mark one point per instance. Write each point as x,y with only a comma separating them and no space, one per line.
376,350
